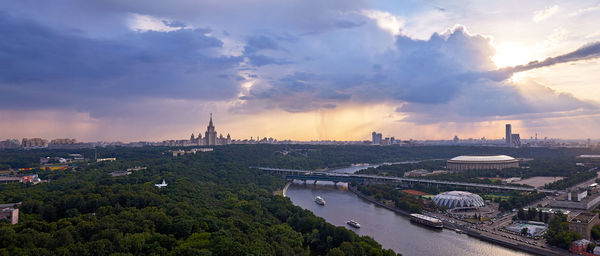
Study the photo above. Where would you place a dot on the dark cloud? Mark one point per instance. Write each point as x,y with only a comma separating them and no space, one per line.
55,69
445,78
257,44
417,71
588,51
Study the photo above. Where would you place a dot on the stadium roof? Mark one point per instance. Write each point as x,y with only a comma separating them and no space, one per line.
483,158
452,199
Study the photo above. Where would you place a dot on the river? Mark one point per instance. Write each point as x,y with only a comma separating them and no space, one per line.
391,230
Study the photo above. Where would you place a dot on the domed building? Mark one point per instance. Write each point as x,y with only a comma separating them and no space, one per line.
498,162
454,199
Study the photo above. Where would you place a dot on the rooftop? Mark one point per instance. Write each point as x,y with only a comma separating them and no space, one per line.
11,205
584,217
487,158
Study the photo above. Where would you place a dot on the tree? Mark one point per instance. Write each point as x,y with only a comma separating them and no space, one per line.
335,252
590,247
521,214
596,232
524,231
558,233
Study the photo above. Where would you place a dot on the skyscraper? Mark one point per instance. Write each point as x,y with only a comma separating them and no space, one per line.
377,138
515,140
508,135
210,135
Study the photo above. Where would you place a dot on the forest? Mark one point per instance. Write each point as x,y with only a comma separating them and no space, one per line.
213,205
303,156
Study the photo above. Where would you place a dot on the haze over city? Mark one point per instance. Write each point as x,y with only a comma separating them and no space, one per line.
300,70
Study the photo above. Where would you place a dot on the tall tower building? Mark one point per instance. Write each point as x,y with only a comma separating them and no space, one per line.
508,135
210,135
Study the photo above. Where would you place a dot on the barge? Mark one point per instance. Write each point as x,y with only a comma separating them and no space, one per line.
426,220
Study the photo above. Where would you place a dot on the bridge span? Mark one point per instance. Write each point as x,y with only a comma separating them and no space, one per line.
292,174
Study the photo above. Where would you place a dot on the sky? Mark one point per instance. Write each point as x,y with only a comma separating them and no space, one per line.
299,69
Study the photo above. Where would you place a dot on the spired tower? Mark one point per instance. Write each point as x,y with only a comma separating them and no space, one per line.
211,135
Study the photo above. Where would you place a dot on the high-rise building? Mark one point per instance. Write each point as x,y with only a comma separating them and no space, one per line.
508,135
515,140
10,144
210,135
210,138
377,138
34,143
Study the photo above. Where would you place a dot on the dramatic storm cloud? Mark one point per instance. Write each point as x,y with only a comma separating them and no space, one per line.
45,68
156,63
446,77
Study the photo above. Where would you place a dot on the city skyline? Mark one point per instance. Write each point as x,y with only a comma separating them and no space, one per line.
377,138
212,138
338,71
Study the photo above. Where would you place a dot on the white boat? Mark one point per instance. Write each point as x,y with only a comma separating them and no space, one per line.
160,185
353,223
319,200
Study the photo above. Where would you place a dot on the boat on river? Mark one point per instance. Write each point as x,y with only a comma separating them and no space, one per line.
353,223
319,200
426,220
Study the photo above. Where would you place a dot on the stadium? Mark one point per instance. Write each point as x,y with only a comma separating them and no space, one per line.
462,163
461,199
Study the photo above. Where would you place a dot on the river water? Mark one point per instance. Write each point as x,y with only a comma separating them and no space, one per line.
392,230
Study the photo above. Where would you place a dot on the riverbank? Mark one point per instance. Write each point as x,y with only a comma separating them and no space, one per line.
452,226
281,192
374,201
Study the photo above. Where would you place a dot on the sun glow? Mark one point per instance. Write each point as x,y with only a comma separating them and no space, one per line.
512,54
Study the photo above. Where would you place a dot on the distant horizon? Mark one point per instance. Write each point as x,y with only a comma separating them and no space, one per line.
297,140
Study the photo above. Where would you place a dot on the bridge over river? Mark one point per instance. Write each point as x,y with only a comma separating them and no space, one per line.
291,174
